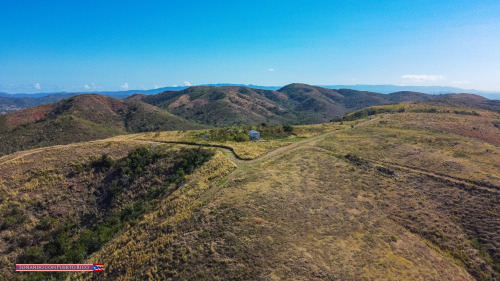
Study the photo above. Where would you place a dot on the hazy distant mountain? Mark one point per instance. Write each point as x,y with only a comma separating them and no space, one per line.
11,103
244,85
14,102
386,89
115,94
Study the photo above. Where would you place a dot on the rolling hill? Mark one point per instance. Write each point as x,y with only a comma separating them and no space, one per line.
91,116
223,105
408,191
82,118
292,104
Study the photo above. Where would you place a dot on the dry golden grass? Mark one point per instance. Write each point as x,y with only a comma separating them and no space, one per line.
149,241
307,131
396,138
304,215
37,183
416,200
244,150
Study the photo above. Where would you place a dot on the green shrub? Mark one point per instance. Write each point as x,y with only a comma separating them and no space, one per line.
463,112
102,163
73,242
363,113
287,128
460,154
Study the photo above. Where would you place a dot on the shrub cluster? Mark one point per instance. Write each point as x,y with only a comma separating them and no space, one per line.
240,133
363,113
75,240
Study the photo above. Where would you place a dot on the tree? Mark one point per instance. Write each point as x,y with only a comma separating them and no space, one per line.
287,128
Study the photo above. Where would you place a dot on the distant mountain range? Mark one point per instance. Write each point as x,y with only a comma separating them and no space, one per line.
93,116
14,102
384,89
434,90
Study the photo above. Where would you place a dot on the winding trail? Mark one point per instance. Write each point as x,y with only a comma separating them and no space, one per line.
484,186
245,164
239,161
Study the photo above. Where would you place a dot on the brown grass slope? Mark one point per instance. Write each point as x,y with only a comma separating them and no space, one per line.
466,100
82,118
52,198
397,197
386,201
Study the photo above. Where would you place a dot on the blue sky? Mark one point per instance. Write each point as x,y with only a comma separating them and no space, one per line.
111,45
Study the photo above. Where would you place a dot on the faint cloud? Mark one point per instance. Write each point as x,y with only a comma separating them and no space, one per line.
187,83
175,85
423,77
271,69
38,86
155,87
124,86
460,82
91,86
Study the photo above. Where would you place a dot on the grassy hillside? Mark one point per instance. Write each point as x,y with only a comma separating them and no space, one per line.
292,104
222,106
88,117
82,202
395,197
399,192
82,118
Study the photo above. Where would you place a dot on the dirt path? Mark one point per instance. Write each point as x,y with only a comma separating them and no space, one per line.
484,186
21,154
239,161
456,180
244,165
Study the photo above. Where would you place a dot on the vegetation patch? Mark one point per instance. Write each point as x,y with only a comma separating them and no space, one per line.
363,113
128,188
386,171
355,159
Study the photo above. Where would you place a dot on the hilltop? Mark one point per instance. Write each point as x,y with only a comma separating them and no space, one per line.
240,104
292,104
82,118
91,116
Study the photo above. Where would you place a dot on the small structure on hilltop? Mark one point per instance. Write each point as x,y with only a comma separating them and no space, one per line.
254,135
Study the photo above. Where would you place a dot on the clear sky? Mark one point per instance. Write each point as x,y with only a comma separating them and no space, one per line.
111,45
